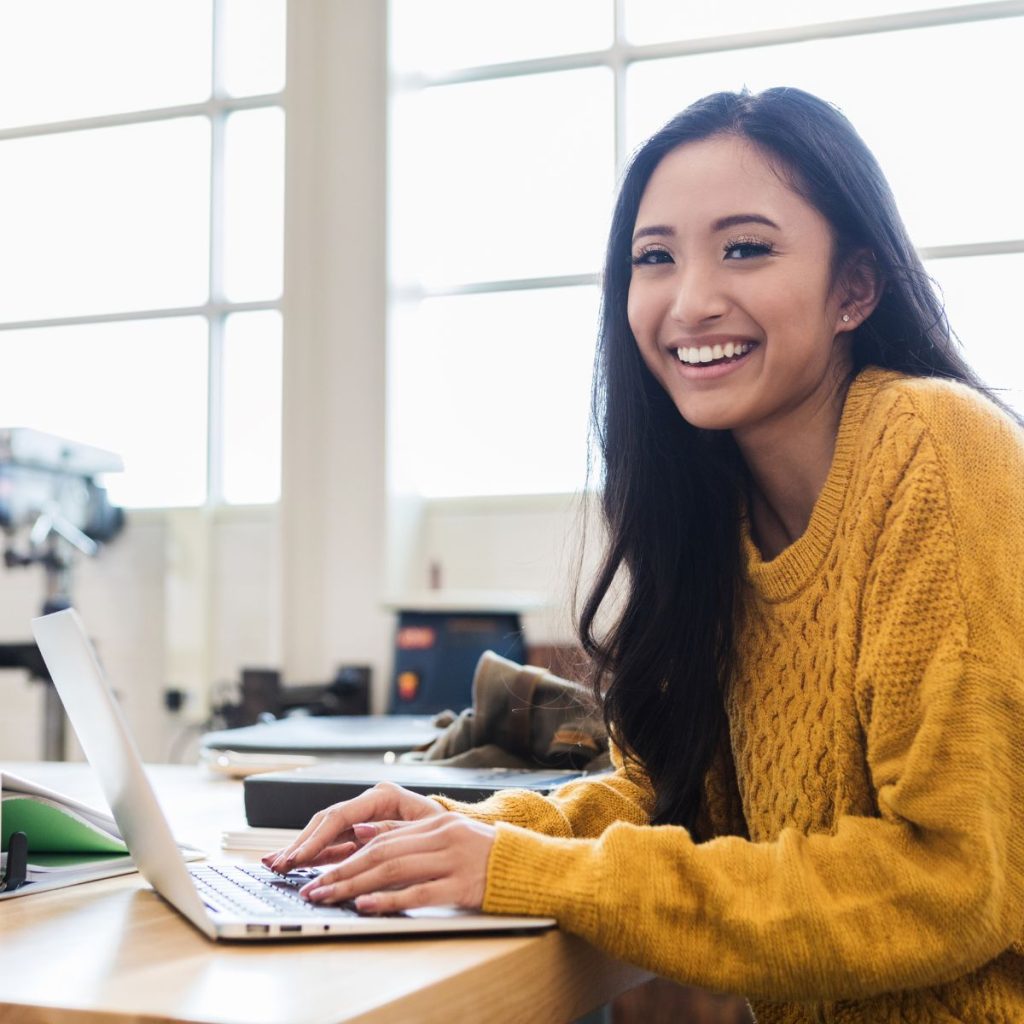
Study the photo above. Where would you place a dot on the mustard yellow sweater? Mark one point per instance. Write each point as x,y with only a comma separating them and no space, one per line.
865,852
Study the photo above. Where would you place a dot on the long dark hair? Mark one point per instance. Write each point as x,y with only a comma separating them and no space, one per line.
673,494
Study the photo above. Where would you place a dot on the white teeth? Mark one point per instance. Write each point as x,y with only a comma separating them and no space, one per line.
708,353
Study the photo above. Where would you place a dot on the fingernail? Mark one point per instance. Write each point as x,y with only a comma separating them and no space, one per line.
366,903
365,831
316,894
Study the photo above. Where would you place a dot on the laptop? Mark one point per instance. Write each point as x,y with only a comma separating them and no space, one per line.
223,900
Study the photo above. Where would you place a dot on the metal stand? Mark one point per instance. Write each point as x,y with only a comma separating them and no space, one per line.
26,656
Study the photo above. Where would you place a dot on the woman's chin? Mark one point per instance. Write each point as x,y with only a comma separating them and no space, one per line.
708,415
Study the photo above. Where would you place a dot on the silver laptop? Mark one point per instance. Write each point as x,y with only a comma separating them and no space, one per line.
223,900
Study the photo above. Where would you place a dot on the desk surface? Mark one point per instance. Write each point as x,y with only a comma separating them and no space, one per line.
114,951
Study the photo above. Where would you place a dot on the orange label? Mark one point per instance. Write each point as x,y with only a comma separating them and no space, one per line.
408,685
416,638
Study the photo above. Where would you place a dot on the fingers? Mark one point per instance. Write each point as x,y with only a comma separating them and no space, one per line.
426,894
441,859
329,855
333,854
368,830
393,873
333,824
390,850
362,833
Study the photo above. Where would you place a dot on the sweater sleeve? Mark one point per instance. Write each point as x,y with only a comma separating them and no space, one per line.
925,891
579,809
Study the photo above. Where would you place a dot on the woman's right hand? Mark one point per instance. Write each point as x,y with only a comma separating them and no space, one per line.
339,830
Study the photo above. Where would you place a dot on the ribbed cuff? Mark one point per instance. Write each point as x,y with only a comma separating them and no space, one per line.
517,806
540,875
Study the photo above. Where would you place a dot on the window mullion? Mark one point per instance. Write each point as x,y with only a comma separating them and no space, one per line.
215,388
619,63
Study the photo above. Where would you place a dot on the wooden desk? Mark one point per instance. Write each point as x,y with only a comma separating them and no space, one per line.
114,951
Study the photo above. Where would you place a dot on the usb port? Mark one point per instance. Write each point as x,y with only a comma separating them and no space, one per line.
291,928
257,929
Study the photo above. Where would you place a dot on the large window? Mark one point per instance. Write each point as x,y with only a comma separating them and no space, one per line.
510,123
141,198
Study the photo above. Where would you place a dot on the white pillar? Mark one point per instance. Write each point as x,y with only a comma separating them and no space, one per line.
333,501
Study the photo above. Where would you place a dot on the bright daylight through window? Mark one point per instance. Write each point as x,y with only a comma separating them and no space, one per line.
141,193
508,135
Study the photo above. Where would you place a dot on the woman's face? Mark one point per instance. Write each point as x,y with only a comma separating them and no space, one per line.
731,299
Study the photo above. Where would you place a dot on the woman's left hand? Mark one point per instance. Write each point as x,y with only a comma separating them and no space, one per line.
439,861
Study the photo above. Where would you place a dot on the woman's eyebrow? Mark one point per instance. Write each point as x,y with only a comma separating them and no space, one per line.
661,230
743,218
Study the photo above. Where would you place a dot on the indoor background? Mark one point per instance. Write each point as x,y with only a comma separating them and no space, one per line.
325,275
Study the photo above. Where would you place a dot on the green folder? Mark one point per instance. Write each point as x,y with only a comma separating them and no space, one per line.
68,841
51,828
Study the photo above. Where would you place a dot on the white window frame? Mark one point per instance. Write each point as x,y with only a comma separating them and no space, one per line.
620,56
217,308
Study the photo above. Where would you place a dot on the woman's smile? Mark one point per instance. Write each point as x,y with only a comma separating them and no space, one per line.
712,357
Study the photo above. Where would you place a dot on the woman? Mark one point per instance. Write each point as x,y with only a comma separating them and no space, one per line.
815,679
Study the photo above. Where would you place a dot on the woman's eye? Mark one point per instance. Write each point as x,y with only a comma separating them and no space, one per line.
651,257
745,250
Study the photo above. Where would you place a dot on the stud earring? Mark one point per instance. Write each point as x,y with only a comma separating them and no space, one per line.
846,318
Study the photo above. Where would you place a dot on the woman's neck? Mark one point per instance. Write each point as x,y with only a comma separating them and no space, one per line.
789,463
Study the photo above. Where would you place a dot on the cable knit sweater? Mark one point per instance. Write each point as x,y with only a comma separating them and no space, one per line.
864,855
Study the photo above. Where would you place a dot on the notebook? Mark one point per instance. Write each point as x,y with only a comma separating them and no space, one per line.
289,799
223,900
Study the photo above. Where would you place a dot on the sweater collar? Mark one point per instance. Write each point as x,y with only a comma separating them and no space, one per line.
795,566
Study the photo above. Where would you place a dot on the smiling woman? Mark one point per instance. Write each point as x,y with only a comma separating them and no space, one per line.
814,673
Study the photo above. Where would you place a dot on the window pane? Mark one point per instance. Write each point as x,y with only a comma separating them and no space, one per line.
443,34
654,21
507,178
136,388
105,221
254,205
944,140
252,408
976,289
254,46
490,393
65,59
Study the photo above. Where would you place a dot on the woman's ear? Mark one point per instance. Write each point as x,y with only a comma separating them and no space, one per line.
860,289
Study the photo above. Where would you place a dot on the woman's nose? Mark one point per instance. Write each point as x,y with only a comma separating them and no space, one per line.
698,297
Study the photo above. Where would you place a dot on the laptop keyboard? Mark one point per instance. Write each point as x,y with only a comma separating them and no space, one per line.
255,891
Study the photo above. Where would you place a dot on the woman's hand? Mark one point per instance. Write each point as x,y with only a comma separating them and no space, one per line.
329,836
440,860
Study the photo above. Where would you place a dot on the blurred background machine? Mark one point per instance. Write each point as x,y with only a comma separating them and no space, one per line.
52,510
439,637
